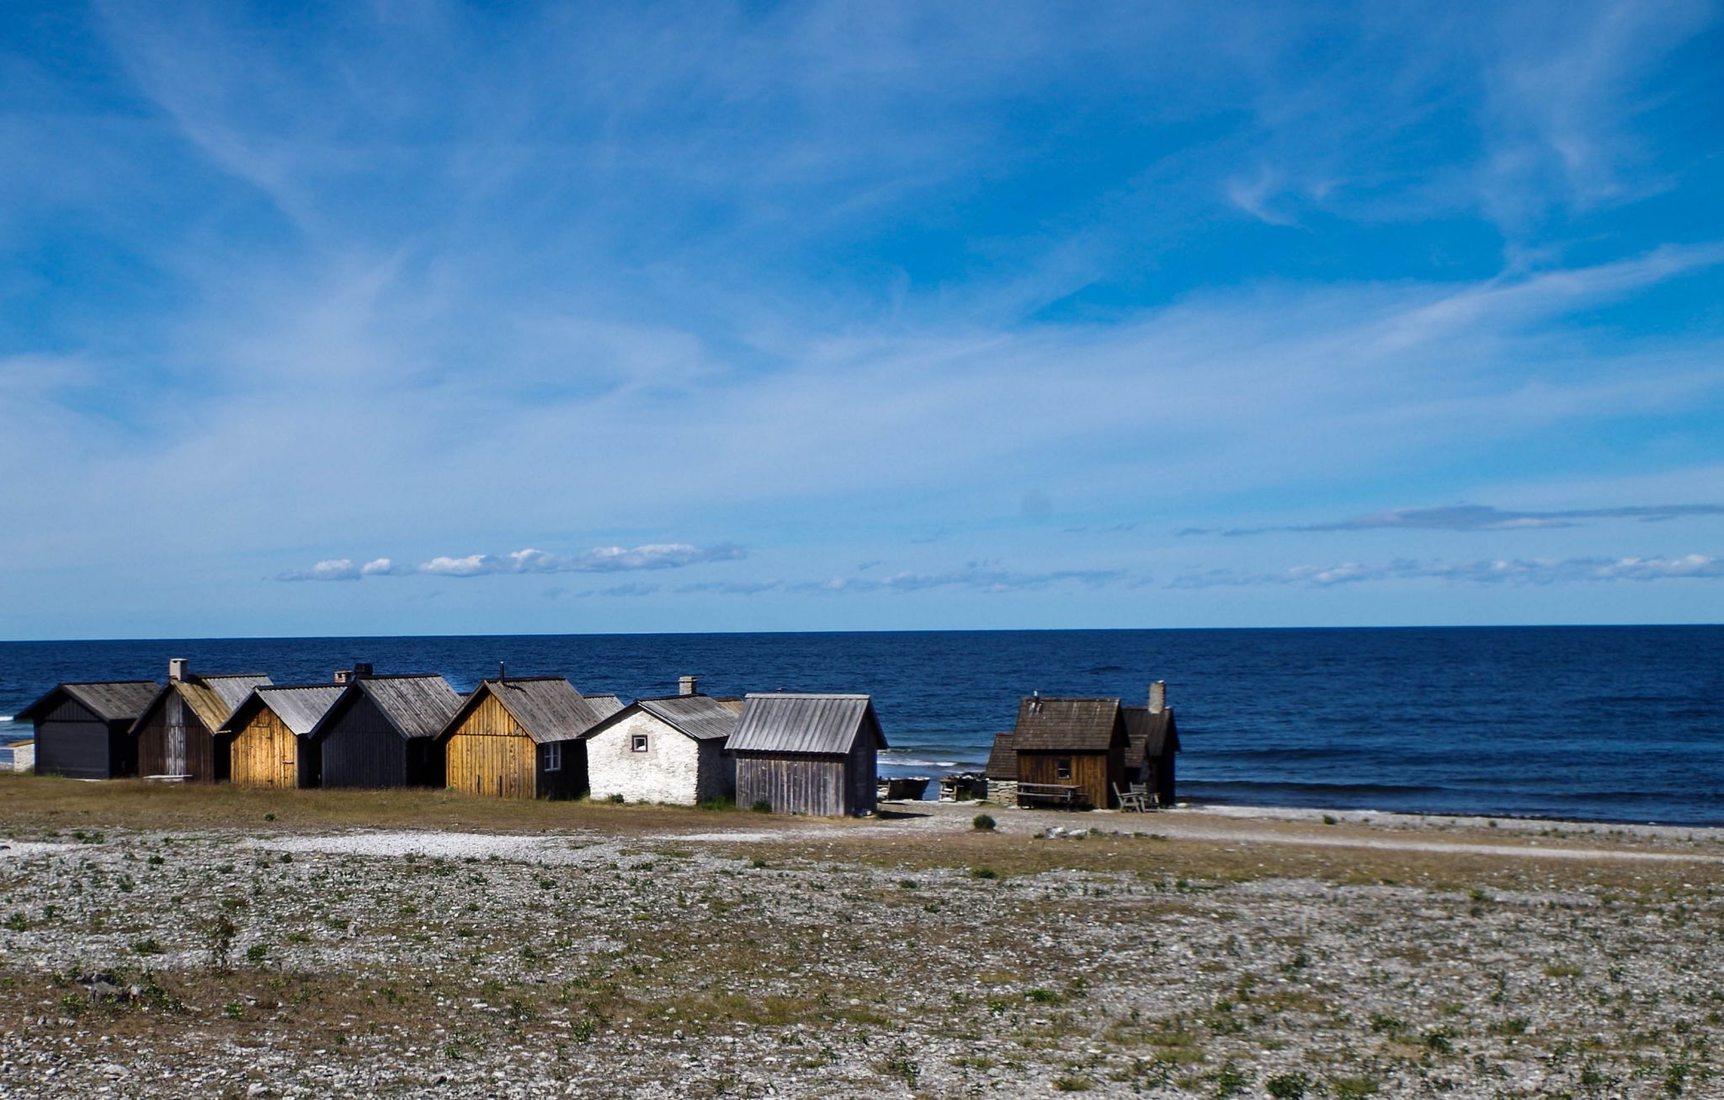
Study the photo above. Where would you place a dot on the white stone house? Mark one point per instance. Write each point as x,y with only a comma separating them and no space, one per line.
664,750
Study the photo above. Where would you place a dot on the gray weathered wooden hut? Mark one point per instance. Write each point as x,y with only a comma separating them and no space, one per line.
664,750
808,754
83,730
1070,749
382,732
520,737
1152,739
176,733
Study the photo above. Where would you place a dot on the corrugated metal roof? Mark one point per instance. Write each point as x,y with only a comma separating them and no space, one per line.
232,688
110,700
299,706
549,708
1052,724
1002,758
1149,734
819,725
700,716
419,706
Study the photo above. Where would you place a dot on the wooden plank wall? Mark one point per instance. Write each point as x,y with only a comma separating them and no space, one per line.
792,784
200,750
73,742
1090,772
361,749
864,769
264,753
490,754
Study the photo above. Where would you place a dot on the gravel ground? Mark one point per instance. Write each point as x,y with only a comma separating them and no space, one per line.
740,961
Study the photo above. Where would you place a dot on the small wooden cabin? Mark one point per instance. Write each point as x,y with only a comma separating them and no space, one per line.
265,737
83,730
1152,740
664,750
808,754
382,732
176,733
1071,743
521,738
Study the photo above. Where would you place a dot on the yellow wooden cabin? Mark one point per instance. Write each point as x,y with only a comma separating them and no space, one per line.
266,738
520,738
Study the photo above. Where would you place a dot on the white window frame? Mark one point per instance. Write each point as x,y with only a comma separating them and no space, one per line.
553,756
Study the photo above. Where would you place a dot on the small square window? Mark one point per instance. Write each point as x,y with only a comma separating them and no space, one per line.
638,743
554,757
1063,768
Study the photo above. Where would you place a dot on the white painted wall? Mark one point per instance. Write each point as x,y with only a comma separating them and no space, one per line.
667,772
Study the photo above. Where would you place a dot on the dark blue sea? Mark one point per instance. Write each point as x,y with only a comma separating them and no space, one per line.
1589,723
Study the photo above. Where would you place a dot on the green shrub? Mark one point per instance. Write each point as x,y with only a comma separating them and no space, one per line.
1288,1086
983,823
983,872
762,806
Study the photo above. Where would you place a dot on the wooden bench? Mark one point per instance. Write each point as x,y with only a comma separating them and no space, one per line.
1048,794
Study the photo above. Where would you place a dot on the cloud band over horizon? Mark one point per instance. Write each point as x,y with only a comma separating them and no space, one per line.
601,559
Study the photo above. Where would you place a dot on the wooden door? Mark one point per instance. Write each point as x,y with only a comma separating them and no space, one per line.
175,740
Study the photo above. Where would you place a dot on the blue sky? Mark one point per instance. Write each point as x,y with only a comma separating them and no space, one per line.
432,318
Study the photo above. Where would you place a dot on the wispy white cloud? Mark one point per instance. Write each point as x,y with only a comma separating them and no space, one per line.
602,559
978,576
1478,517
1492,571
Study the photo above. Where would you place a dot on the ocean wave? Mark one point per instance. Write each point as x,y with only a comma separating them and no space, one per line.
1347,789
912,762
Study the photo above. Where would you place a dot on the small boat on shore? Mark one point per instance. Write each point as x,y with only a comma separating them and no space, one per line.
902,788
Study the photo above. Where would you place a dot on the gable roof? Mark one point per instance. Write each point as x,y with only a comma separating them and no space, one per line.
700,717
416,705
299,706
212,699
109,700
817,725
1002,758
548,708
1052,724
1149,734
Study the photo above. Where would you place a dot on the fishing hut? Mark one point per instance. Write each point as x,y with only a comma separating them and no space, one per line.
83,730
382,731
808,754
176,733
674,750
520,737
267,736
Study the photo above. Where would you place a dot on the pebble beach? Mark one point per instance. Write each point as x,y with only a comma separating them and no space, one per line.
648,951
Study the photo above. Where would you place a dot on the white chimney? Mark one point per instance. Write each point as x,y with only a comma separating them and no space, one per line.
688,685
1158,697
343,675
177,669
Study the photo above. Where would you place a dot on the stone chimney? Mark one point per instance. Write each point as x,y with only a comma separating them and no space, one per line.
1158,697
361,670
178,669
688,685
